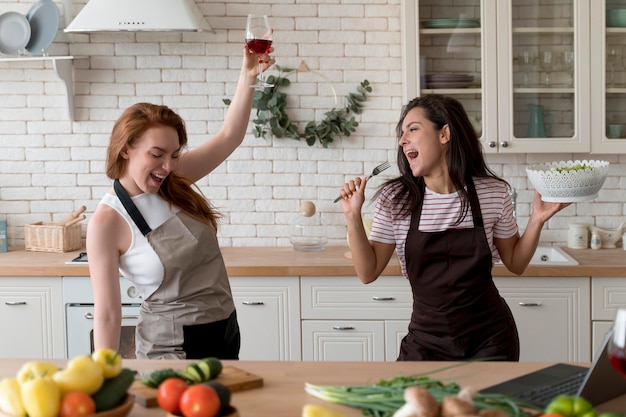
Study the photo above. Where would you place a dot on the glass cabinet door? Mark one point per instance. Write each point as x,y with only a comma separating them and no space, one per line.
543,80
445,45
608,76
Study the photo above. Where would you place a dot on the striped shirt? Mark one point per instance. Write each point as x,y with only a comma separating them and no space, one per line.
441,211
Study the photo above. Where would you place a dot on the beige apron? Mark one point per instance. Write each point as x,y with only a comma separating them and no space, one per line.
195,288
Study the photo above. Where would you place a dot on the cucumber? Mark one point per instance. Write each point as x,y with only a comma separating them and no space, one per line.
113,390
195,372
215,365
154,378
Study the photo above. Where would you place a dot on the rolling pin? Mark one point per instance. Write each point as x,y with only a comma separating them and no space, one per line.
73,215
74,221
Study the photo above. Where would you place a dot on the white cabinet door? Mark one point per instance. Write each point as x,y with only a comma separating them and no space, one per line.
268,311
329,340
32,318
552,317
395,330
607,295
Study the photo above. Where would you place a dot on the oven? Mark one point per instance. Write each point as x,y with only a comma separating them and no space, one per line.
78,303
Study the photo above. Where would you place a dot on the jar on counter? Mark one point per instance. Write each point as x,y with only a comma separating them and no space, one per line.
596,242
578,236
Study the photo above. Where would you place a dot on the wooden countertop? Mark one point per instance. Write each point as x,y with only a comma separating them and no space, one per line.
284,261
283,395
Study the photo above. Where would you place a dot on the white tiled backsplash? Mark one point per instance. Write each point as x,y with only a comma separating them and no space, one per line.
49,166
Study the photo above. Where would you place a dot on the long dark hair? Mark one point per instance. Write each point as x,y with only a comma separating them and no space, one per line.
177,190
464,155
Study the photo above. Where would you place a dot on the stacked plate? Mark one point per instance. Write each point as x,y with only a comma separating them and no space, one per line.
449,80
32,33
450,23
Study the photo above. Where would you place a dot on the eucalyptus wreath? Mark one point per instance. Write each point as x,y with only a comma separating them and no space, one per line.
271,116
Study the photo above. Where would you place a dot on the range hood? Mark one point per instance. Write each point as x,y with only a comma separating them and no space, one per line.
139,15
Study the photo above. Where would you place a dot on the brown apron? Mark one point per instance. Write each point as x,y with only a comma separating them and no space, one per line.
192,314
458,313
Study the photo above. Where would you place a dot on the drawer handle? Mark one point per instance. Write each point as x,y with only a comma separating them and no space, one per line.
531,304
343,327
89,316
15,303
253,303
383,298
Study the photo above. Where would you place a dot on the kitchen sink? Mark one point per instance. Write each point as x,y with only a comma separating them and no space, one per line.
551,255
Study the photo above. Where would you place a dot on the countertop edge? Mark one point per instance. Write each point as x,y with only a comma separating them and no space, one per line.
284,261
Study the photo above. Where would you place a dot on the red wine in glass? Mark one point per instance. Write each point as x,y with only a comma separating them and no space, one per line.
259,46
617,342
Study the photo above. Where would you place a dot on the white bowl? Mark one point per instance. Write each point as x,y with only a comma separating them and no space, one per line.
568,181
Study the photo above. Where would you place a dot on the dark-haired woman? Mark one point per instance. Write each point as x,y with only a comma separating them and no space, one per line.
449,218
159,232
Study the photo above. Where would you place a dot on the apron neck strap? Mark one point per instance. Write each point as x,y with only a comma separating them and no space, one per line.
131,208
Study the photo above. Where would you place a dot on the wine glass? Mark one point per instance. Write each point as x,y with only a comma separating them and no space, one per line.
259,40
546,62
617,343
526,61
568,63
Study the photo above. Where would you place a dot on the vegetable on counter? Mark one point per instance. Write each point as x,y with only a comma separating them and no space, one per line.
202,371
80,374
109,360
384,398
41,397
11,398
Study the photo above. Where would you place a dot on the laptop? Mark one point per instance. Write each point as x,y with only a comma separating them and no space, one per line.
597,384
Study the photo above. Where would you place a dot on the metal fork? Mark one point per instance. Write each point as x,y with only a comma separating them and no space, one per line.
380,168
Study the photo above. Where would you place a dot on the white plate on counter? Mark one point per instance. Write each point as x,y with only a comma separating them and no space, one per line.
14,33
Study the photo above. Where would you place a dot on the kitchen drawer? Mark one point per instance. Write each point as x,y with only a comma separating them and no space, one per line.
347,298
607,294
332,340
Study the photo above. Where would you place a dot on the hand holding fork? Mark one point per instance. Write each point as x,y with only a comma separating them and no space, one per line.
380,168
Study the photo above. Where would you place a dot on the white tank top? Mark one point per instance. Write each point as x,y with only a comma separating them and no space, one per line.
140,264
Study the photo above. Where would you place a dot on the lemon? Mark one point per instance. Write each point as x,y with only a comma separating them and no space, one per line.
313,410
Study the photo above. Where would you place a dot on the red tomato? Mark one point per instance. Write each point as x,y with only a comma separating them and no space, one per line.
169,393
200,401
77,404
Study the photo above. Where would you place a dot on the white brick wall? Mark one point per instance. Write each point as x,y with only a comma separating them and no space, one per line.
49,165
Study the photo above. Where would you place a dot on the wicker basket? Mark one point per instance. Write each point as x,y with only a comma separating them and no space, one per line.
52,237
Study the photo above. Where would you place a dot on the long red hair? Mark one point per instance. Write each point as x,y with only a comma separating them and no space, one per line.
177,190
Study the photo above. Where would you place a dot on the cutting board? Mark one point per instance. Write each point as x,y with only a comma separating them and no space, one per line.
234,378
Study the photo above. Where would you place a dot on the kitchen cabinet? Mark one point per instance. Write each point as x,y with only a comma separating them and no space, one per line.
608,77
268,312
32,317
607,295
552,316
529,62
343,319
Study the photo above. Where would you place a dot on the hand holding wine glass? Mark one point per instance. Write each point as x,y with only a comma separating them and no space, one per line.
259,40
617,343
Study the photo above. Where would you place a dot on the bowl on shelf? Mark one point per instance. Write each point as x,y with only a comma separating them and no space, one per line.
568,181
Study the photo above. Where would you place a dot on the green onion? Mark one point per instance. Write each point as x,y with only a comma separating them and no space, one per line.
383,398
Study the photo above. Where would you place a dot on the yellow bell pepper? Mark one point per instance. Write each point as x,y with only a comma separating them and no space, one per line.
41,397
110,361
81,374
11,398
34,370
